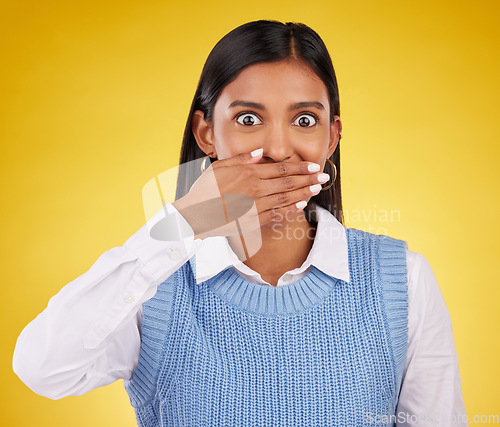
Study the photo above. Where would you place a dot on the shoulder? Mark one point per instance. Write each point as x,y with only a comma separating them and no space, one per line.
412,258
389,246
362,234
421,276
422,283
393,254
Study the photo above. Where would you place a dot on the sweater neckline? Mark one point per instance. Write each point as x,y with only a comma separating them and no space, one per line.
309,291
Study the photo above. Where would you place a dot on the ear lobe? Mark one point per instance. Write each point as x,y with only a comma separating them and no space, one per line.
202,132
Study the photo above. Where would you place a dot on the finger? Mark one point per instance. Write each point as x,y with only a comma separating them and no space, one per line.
287,184
240,159
280,169
275,208
280,200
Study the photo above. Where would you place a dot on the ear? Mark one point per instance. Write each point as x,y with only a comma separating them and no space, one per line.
335,131
203,133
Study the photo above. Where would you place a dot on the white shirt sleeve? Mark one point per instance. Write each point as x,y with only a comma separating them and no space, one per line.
89,333
431,391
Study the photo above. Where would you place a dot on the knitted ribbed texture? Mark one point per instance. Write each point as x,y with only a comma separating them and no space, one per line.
316,352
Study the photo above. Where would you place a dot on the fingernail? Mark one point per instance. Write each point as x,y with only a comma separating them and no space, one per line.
255,153
315,188
313,167
301,204
323,177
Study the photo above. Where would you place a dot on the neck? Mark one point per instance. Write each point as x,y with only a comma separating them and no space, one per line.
273,250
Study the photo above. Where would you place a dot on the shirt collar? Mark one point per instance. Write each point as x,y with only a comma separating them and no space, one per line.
329,252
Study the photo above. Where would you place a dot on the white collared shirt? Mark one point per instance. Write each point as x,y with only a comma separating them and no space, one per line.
328,253
89,334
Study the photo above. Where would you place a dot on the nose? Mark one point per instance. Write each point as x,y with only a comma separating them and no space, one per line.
278,146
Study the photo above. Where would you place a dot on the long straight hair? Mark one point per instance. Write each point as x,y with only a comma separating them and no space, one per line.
262,41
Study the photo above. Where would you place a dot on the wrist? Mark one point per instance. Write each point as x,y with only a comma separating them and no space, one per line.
185,210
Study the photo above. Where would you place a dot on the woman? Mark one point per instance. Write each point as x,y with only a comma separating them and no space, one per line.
265,310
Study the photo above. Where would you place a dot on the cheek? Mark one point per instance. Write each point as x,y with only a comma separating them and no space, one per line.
314,150
229,142
230,147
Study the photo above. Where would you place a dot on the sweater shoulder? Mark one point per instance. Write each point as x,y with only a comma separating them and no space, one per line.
357,235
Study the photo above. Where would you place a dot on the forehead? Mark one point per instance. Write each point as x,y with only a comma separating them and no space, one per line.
282,81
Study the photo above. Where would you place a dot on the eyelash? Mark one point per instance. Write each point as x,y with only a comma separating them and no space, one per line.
301,114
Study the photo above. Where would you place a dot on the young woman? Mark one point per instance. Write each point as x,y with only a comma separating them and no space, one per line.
265,309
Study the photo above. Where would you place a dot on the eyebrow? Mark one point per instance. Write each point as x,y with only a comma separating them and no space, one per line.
292,107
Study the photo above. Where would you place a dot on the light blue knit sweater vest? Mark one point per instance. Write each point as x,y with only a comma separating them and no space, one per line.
317,352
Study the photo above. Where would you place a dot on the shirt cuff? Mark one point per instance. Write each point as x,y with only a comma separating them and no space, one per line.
165,239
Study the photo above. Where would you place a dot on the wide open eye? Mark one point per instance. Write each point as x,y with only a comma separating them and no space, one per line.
308,120
248,119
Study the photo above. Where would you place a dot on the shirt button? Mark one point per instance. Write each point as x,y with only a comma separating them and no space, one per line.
286,277
129,299
174,254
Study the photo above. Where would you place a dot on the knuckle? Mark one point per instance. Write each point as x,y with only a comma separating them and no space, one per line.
274,214
282,169
283,198
253,189
241,156
288,182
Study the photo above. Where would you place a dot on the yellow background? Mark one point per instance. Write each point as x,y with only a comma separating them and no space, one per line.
94,98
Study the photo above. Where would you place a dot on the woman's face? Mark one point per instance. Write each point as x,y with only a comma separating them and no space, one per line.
282,107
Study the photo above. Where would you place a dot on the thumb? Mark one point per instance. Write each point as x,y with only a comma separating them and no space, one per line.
256,154
243,158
